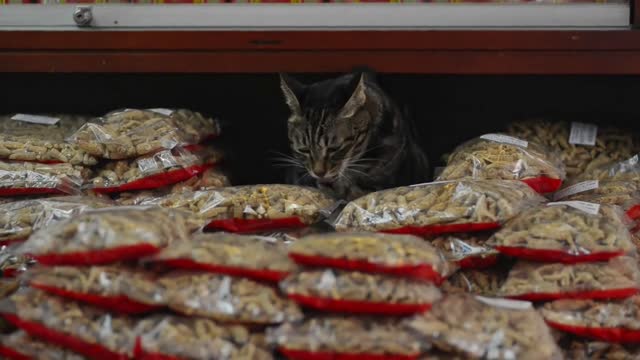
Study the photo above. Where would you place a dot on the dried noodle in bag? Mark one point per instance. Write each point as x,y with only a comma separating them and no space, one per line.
31,178
568,232
20,346
106,236
485,282
359,293
254,257
194,127
627,170
402,255
354,338
486,328
625,194
616,279
468,251
439,207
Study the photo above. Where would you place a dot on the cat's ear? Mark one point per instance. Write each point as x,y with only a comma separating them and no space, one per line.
357,99
291,90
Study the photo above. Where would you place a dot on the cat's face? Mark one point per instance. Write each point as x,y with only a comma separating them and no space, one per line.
328,125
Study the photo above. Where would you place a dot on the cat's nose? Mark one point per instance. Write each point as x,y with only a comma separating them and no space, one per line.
319,170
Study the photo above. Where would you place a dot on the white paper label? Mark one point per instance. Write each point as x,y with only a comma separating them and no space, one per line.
36,119
576,189
589,208
461,248
583,134
504,139
162,111
504,303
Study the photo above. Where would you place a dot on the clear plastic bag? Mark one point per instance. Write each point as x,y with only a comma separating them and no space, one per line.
227,299
83,329
359,293
115,288
354,338
106,236
439,207
617,322
467,251
593,350
12,264
625,194
31,178
486,328
626,170
616,279
560,232
20,346
485,282
194,127
403,255
258,258
498,156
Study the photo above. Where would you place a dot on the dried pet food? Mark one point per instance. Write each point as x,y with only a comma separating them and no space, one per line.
606,321
227,299
356,292
12,264
254,257
114,288
440,207
468,251
626,170
485,328
83,329
20,346
44,143
625,194
485,282
252,208
497,156
403,255
560,232
194,127
106,236
345,338
615,279
592,350
31,178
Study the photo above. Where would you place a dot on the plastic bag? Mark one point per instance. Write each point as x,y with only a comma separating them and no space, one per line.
31,178
106,236
227,299
359,293
114,288
625,194
626,170
194,127
80,328
616,279
568,232
592,350
21,218
486,328
606,321
468,251
252,208
403,255
485,282
12,264
20,346
497,156
175,338
258,258
40,142
439,207
345,338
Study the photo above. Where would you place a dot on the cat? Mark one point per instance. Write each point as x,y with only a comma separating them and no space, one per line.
349,138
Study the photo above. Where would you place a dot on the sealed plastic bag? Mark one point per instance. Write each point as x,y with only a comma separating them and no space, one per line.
83,329
41,139
439,207
345,338
403,255
625,194
595,350
114,288
485,282
20,346
486,328
12,264
617,322
31,178
359,293
253,208
227,299
497,156
468,251
106,236
194,127
616,279
568,232
626,170
258,258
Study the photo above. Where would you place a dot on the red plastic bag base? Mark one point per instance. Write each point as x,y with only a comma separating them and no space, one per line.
92,351
28,191
614,335
255,225
543,184
358,307
260,275
443,229
308,355
634,212
542,255
9,353
157,180
422,272
121,304
478,262
99,257
583,295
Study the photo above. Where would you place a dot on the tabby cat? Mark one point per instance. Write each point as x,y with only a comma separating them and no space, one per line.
348,137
